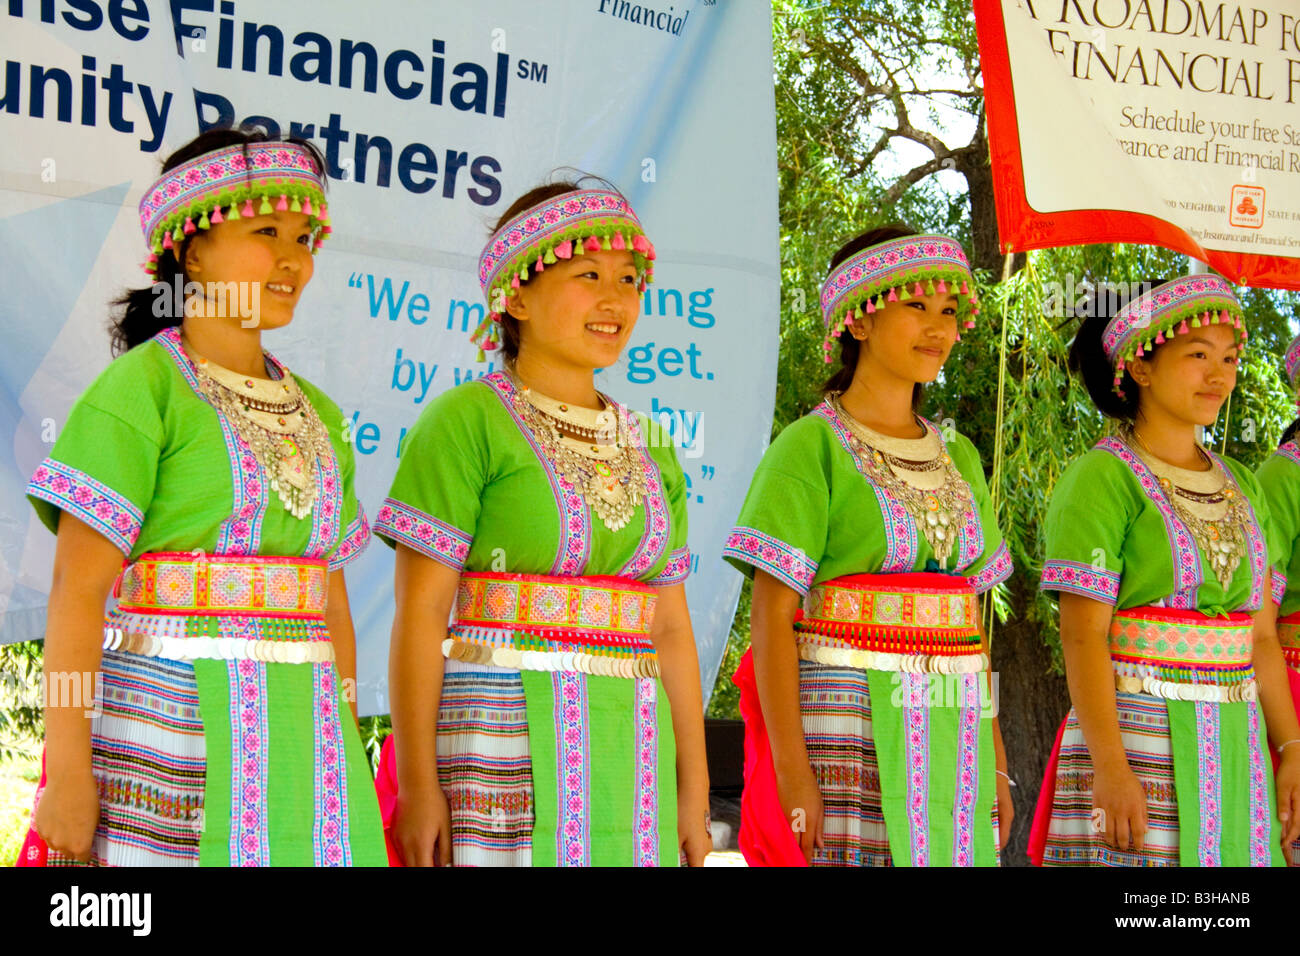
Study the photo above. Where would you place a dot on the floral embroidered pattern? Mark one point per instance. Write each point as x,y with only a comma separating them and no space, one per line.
575,518
901,539
1186,554
327,515
572,770
645,830
241,533
88,500
655,536
1291,450
1210,783
354,540
436,539
1279,586
1255,547
1259,812
249,845
785,563
1082,579
963,813
900,529
330,844
916,727
997,571
677,570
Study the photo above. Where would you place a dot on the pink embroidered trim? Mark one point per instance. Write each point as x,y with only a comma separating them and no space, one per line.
436,539
1185,552
1290,450
657,519
88,500
1256,546
249,844
1079,578
916,723
963,814
783,562
241,533
330,843
574,516
1279,586
354,540
900,530
645,832
1210,782
327,513
997,571
1260,818
677,570
573,770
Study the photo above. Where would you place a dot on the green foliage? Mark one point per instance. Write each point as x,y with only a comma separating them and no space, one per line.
22,720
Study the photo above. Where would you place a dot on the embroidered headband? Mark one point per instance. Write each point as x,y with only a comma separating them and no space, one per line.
1293,360
590,219
896,270
276,176
1174,308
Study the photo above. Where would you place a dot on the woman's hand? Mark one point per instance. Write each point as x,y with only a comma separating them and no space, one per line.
801,801
67,814
1288,795
693,837
1006,811
1118,795
421,827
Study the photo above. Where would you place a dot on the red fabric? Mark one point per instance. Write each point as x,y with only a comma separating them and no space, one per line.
34,852
386,789
910,581
1022,227
766,838
1046,796
1293,678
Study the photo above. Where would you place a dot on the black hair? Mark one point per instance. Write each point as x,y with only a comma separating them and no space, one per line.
136,320
1088,356
510,334
850,348
1290,432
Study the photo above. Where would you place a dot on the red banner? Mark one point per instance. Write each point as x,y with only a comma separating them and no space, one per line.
1166,122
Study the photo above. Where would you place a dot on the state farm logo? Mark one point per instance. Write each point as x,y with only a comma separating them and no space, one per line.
1247,207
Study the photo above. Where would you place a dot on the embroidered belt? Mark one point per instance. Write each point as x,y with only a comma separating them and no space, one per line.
192,606
593,625
1288,635
915,623
1183,655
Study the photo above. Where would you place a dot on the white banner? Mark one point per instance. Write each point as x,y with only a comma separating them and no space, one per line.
1109,119
433,118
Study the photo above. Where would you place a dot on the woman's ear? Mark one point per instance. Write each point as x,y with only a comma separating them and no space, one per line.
191,263
861,328
517,304
1140,371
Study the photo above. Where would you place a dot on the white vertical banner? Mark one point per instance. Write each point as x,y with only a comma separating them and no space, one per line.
433,119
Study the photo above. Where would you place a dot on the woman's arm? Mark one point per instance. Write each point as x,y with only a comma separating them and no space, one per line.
1279,712
679,669
424,593
338,621
776,675
85,567
1006,806
1117,792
